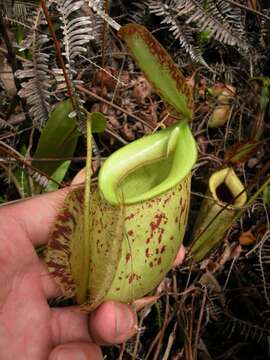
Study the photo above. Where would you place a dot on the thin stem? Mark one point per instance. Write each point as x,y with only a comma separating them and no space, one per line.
58,50
86,212
88,174
92,94
16,155
198,330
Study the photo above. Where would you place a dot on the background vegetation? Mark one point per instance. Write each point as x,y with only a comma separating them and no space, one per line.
218,309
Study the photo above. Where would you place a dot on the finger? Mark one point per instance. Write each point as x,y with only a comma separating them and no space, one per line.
69,324
180,256
112,323
79,178
36,215
76,351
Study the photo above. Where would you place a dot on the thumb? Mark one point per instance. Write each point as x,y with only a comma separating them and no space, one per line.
76,351
112,323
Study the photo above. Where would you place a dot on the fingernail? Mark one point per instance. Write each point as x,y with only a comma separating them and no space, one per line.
125,322
70,354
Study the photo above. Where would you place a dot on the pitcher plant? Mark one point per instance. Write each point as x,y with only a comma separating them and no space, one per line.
225,197
135,216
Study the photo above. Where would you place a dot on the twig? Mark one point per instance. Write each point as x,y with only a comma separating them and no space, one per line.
170,343
197,335
90,93
116,136
17,133
144,313
13,178
164,326
16,155
190,330
152,345
50,159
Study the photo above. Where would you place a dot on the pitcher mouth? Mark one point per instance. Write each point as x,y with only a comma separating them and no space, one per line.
149,166
226,187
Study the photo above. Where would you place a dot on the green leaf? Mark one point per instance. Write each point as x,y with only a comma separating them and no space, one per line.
203,39
266,195
19,34
22,176
58,139
264,100
98,122
159,68
58,176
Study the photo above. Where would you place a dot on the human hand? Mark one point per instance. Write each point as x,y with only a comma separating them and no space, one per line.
29,328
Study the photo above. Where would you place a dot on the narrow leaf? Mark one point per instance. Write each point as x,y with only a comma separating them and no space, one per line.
159,68
266,195
58,176
98,121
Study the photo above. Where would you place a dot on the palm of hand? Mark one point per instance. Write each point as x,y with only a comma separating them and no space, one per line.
25,317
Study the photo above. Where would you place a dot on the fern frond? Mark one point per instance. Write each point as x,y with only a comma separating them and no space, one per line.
211,17
40,179
264,263
98,23
36,89
97,7
77,29
5,125
233,15
246,330
213,310
222,20
137,11
180,31
17,10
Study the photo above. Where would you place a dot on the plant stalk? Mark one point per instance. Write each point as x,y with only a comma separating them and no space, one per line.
86,211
